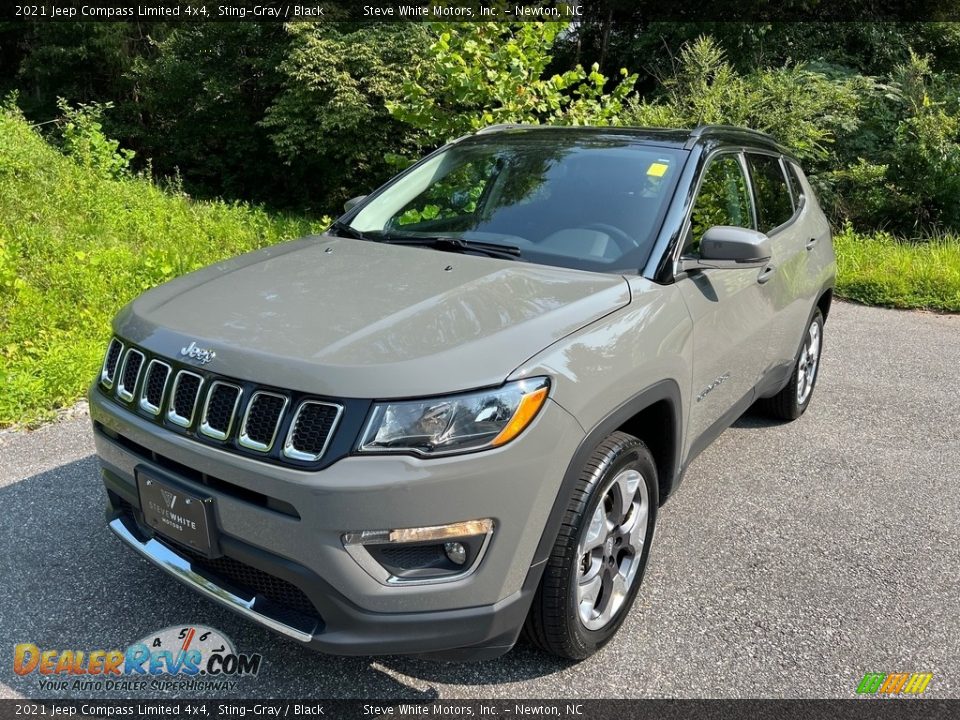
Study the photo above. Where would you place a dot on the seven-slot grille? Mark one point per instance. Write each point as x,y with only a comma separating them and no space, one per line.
214,409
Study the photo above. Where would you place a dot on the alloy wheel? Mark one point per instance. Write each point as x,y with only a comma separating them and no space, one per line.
808,362
611,548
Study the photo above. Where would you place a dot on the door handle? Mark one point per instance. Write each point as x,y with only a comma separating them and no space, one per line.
765,274
811,243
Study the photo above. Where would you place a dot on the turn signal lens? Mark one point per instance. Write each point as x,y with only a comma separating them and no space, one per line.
529,407
442,532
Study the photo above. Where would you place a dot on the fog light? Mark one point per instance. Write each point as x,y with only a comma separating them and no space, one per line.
456,552
431,554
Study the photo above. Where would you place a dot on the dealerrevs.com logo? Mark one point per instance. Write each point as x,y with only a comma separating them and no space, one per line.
191,657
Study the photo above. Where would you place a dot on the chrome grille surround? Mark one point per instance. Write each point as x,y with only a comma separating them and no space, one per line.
145,403
124,392
245,440
289,445
172,414
106,376
205,426
270,424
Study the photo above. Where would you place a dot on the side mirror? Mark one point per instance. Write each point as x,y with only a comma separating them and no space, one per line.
353,202
728,247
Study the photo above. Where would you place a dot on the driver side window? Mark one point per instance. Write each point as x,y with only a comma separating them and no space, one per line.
723,200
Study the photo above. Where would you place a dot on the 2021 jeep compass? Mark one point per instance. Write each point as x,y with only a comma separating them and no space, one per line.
455,415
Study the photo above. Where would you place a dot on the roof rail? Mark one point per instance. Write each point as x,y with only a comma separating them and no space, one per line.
706,130
498,127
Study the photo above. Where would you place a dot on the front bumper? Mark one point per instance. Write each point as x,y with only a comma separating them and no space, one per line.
287,524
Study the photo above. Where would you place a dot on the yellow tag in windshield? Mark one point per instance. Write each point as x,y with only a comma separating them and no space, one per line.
657,169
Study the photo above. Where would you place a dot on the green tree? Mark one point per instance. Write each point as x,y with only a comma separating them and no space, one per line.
202,95
805,110
905,174
329,118
479,74
82,62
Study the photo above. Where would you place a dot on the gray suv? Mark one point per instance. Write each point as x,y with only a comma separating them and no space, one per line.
454,416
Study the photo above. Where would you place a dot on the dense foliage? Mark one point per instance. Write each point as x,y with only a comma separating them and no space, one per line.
304,115
482,74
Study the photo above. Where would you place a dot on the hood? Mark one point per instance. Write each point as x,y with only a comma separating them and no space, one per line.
350,318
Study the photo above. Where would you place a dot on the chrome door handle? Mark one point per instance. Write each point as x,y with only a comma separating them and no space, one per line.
765,274
811,243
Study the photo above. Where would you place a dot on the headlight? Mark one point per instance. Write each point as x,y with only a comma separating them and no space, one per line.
456,423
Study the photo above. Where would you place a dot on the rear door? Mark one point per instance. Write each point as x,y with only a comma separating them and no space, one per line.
731,314
780,215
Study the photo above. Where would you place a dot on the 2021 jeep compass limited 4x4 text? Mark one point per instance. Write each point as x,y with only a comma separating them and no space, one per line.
455,414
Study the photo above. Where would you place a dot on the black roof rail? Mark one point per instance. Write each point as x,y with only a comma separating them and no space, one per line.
500,126
702,131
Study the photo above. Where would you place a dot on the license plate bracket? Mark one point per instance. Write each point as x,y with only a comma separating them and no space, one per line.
175,512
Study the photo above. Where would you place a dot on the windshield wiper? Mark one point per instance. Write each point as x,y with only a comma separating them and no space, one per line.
344,230
453,244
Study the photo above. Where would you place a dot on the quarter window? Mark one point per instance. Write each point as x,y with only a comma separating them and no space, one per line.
796,189
774,205
723,200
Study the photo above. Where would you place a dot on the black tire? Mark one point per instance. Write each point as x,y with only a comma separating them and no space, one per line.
787,404
554,623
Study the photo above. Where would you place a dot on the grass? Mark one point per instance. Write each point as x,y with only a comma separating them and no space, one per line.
75,247
880,269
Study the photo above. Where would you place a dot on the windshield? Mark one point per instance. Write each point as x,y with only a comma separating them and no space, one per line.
564,198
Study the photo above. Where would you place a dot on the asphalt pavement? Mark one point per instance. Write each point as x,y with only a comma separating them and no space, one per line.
794,558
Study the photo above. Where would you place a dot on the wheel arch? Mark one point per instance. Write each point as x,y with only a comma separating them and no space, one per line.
654,415
825,301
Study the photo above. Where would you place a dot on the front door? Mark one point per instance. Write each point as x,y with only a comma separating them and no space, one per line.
731,313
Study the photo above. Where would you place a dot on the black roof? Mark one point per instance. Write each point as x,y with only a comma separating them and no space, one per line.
678,137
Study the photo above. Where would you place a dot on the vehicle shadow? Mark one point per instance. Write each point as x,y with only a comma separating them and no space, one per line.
68,583
755,417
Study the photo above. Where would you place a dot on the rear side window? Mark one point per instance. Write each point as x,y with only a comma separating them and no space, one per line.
774,204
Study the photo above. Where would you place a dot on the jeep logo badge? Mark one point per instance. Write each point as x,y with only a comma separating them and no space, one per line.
203,355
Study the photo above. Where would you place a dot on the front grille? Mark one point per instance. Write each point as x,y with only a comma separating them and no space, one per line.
310,430
254,581
277,426
153,386
132,363
219,410
261,420
110,363
245,578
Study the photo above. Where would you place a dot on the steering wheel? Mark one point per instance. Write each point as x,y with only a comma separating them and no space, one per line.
624,241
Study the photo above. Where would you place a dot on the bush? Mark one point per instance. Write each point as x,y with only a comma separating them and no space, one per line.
85,142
